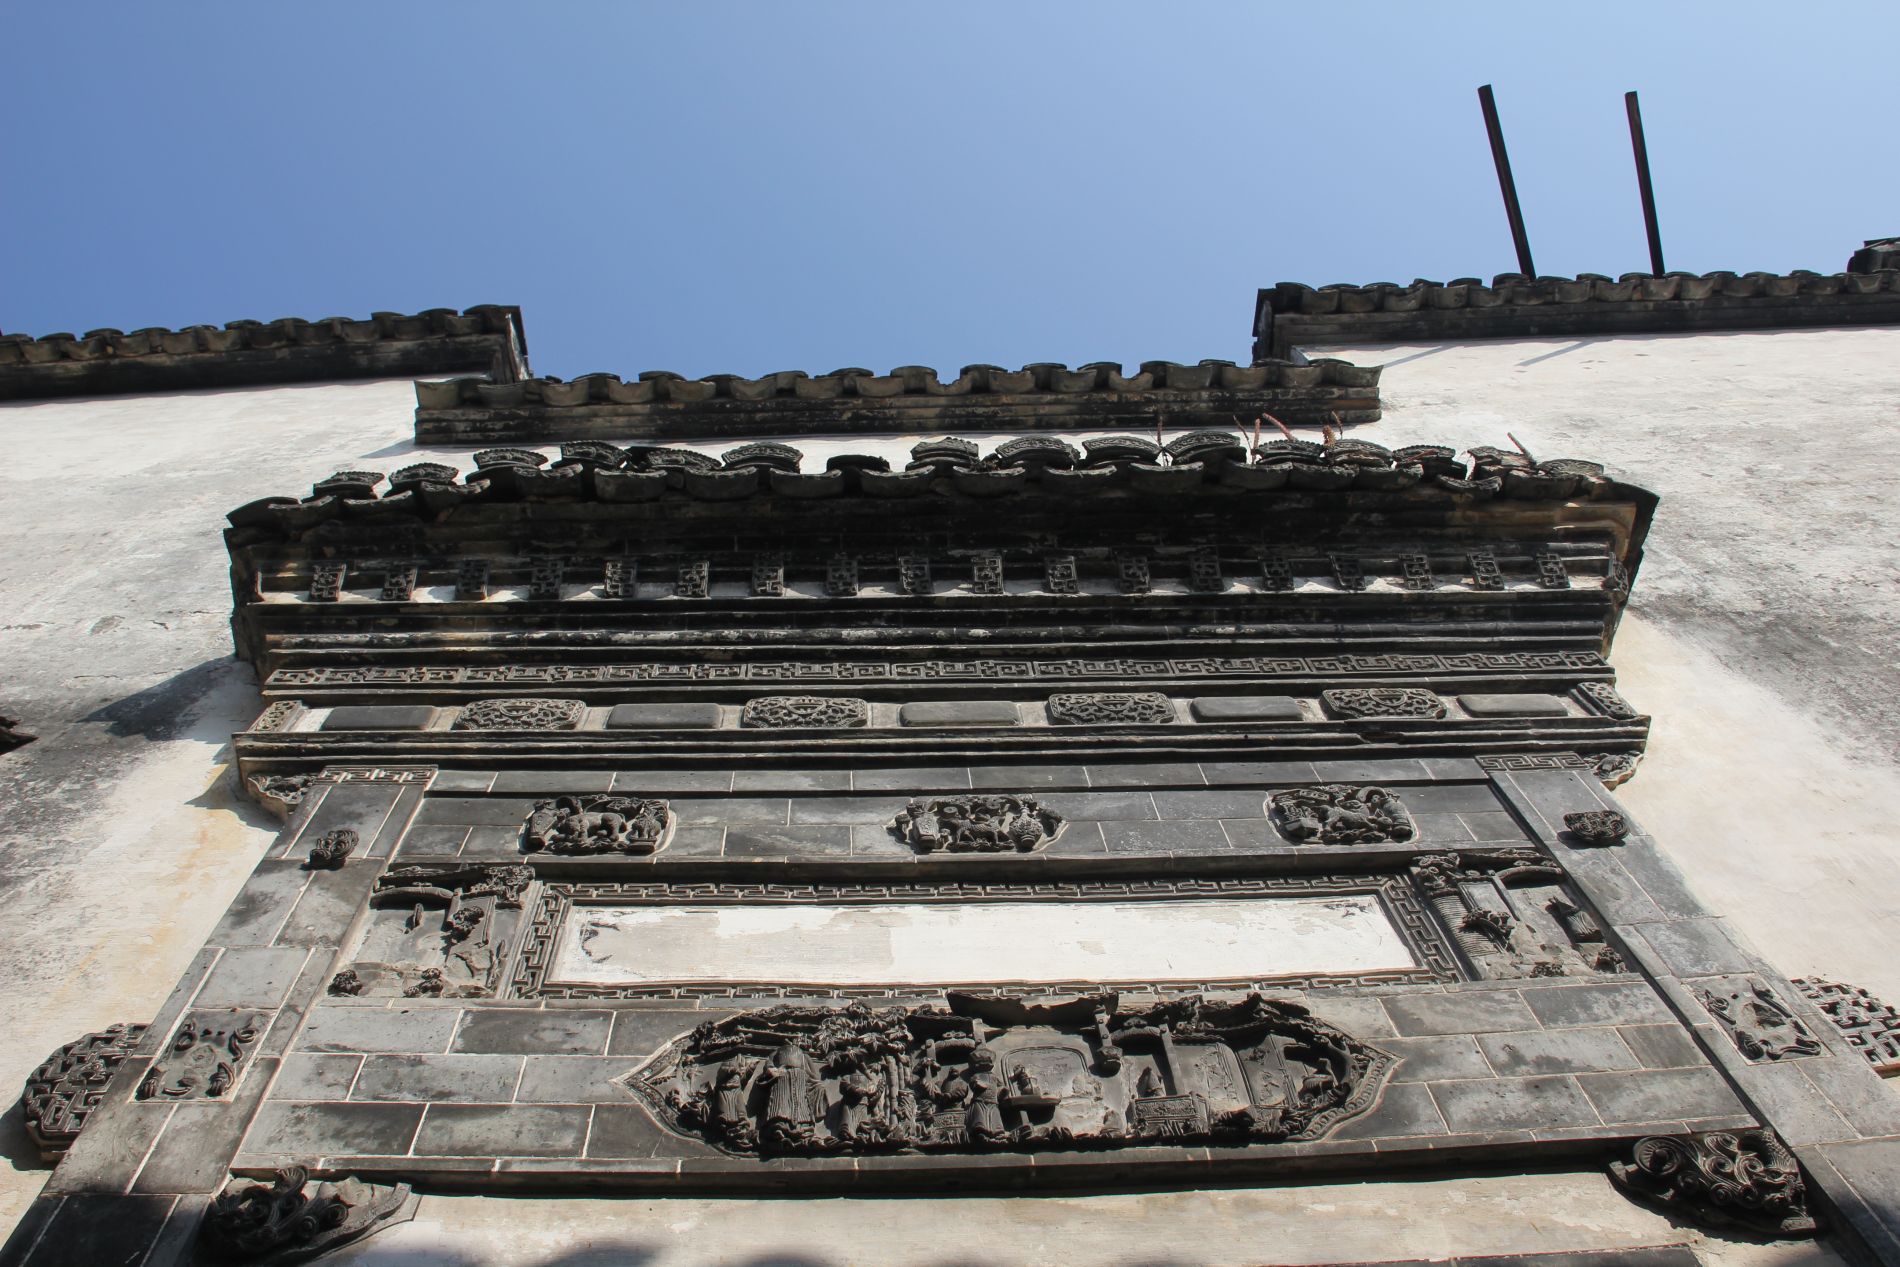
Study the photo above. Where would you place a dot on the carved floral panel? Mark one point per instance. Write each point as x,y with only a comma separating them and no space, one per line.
521,714
801,712
1118,708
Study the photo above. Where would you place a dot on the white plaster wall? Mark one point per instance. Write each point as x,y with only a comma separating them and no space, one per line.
1242,1227
122,839
1764,626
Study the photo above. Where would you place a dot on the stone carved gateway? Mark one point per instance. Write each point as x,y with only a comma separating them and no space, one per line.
977,824
596,825
1003,1073
1340,814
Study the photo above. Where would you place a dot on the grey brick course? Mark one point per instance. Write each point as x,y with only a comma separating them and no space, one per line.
1500,1104
1460,1012
1437,1058
1576,1050
319,1130
346,1028
521,1130
1606,1003
466,1079
559,1031
1658,1095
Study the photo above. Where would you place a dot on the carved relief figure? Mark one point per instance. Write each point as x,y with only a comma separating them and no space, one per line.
596,825
976,824
1513,914
995,1073
1340,814
436,932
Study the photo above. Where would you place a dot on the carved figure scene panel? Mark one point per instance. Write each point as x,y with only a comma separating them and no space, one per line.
1514,914
436,932
1010,1075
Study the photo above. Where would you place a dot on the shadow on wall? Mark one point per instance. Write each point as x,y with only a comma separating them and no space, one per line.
203,704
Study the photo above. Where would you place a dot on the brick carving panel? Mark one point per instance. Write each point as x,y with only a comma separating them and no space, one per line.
1122,708
804,712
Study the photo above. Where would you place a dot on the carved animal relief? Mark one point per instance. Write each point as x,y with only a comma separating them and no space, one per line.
977,824
62,1093
521,714
293,1219
596,825
1340,814
204,1058
803,712
991,1074
1762,1026
1145,708
436,932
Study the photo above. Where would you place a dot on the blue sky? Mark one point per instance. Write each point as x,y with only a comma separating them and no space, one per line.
739,188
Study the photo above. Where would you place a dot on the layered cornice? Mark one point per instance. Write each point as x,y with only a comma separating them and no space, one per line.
910,400
1289,315
486,339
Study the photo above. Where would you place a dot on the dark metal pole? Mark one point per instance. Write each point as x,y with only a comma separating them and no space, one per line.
1508,186
1642,182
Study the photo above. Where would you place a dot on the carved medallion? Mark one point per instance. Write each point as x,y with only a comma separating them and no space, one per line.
596,825
804,712
1762,1026
1873,1027
1746,1179
1597,827
1119,708
204,1058
521,714
332,850
992,1074
977,824
294,1219
62,1093
1340,814
1379,701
